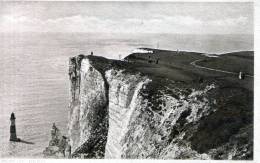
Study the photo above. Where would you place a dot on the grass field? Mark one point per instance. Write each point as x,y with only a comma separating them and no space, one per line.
235,62
177,66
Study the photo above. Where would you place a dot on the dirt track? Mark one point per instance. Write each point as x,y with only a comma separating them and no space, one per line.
211,69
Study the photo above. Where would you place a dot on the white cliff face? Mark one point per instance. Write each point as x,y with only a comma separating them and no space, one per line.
136,131
92,96
86,121
142,51
124,99
153,134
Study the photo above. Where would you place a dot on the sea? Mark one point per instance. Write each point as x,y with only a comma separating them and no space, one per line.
34,82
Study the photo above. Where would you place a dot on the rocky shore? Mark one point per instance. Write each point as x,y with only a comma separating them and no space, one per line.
59,146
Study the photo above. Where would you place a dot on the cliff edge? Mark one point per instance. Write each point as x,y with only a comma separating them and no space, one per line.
157,105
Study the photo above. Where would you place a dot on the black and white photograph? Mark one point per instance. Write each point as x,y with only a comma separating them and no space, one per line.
147,80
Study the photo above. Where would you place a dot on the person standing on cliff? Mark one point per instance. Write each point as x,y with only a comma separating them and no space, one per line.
157,60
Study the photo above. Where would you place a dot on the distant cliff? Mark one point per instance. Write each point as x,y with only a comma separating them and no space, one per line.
117,110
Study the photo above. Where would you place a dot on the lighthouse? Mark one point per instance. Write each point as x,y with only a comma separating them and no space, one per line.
13,136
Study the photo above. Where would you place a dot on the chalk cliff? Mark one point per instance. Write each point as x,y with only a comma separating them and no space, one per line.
117,111
88,121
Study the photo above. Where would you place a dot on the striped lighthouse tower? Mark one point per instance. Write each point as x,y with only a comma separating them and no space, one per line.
13,136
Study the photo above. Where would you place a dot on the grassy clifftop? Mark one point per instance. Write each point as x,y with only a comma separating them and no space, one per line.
235,62
177,66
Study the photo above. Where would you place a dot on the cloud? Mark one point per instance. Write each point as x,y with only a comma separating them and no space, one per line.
155,24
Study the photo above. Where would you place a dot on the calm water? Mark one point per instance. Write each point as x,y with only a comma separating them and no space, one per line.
34,82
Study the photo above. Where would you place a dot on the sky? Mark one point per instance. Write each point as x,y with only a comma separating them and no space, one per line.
128,17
